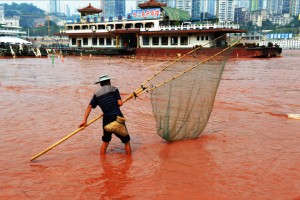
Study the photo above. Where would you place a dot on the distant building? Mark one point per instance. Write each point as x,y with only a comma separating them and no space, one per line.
274,6
113,8
68,10
10,21
256,5
184,5
240,16
201,7
225,10
286,6
53,6
295,7
242,4
257,17
1,13
282,19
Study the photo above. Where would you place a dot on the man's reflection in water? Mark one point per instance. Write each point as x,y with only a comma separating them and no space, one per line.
115,176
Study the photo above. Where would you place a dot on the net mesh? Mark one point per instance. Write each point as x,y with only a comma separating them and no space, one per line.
183,94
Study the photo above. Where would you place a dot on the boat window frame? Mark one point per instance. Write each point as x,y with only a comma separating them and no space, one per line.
100,42
119,26
128,25
85,41
153,42
146,40
184,42
108,41
85,27
73,41
94,41
164,43
101,27
174,43
139,25
77,27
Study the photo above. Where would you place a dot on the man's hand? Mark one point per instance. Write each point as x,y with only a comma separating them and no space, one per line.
83,124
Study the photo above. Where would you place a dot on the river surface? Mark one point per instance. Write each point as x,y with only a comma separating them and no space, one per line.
250,148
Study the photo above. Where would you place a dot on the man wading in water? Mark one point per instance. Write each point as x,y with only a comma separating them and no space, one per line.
109,100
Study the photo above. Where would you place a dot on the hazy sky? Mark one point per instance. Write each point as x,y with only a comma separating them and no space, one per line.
74,4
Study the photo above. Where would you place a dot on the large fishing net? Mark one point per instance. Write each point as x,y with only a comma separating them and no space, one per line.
183,93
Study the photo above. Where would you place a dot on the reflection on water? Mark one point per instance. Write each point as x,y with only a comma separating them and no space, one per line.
249,150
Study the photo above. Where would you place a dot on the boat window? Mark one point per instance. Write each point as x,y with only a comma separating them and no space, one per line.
155,40
202,37
70,28
149,25
110,26
101,27
101,41
183,40
198,38
85,27
108,41
119,26
85,41
174,40
139,25
73,41
128,26
115,41
164,41
145,40
94,41
76,27
206,37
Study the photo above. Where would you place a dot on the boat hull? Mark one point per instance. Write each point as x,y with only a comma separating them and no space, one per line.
259,52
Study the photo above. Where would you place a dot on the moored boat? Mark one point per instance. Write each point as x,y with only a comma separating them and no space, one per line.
12,45
154,30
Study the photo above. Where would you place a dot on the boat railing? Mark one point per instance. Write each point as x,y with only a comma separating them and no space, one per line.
197,26
163,28
11,32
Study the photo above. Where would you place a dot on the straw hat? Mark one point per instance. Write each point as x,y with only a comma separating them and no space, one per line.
117,127
104,77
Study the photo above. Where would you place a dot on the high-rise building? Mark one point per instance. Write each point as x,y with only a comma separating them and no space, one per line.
242,4
256,5
295,7
225,10
274,6
202,8
113,8
1,13
184,5
53,6
286,6
240,15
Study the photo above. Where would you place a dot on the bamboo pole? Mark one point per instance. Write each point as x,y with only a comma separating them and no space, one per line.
64,139
137,91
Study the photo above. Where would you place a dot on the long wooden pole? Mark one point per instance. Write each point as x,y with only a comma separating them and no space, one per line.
64,139
79,129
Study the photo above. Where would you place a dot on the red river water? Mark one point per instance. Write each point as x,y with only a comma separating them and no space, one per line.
250,148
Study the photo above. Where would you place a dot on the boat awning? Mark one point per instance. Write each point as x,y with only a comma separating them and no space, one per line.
13,40
175,14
